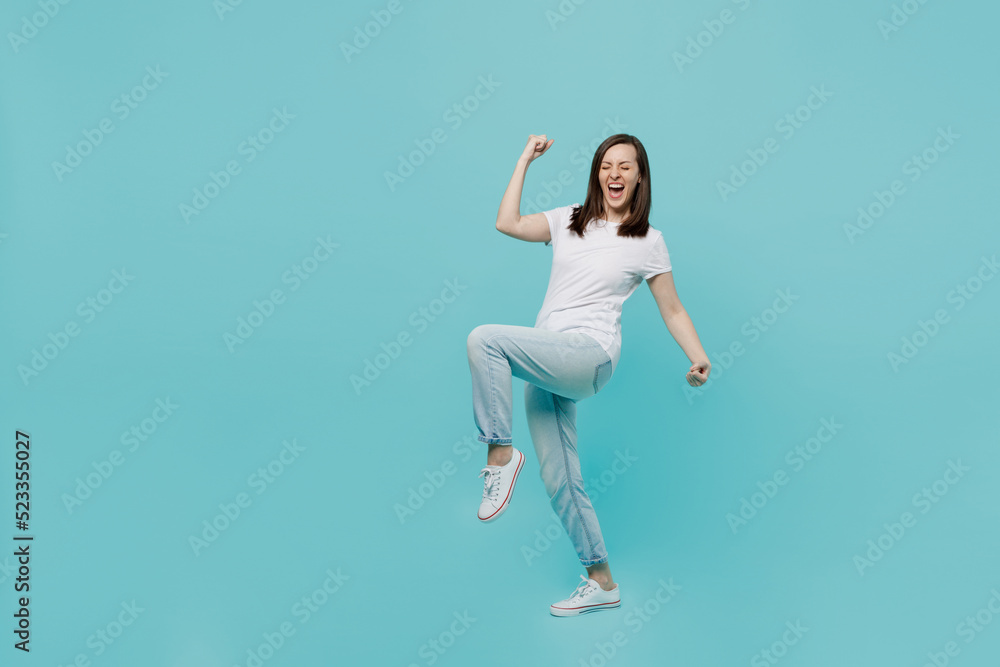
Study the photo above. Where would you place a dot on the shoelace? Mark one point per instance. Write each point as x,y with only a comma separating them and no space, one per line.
583,589
491,489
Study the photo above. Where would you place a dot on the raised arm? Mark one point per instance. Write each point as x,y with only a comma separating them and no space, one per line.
533,227
680,326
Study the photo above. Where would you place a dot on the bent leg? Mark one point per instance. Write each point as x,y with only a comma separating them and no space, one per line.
573,365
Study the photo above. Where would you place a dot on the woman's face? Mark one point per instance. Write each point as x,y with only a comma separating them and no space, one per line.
619,177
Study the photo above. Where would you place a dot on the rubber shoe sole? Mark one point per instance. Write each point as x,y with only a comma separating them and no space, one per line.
559,611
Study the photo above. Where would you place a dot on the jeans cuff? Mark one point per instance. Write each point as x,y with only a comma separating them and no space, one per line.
596,561
495,441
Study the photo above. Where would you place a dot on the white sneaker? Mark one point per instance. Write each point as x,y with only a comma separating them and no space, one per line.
498,486
588,596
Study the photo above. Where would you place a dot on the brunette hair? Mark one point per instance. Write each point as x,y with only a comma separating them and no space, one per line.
636,223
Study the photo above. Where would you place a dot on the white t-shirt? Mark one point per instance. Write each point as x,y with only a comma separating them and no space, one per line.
592,277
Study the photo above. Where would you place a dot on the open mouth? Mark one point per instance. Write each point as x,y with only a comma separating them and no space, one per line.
615,190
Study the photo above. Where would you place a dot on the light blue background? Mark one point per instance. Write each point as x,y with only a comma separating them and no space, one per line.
324,176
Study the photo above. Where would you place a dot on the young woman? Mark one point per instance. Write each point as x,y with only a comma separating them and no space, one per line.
601,252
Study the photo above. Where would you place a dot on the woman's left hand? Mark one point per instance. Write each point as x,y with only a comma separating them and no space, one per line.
698,375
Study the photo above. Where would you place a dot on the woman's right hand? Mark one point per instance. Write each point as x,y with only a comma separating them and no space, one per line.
537,145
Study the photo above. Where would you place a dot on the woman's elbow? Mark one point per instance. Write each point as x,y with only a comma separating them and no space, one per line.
505,225
674,310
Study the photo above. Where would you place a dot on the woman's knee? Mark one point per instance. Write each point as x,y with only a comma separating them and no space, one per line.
478,336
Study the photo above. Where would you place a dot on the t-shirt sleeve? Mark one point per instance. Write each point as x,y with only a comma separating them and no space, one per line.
658,260
558,220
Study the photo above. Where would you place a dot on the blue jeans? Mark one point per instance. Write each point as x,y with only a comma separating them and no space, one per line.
559,369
